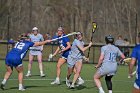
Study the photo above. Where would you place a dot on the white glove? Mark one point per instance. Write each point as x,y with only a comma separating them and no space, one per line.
50,56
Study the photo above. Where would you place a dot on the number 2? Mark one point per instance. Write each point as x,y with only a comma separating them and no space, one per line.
19,45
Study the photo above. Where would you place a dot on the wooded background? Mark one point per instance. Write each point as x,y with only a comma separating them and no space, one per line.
116,17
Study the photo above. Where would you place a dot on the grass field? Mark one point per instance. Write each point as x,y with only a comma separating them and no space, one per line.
36,84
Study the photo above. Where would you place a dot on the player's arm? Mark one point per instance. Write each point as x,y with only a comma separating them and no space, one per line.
42,39
121,55
133,61
84,48
41,43
122,58
56,51
100,60
131,66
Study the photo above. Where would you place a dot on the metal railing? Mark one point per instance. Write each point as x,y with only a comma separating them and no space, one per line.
50,48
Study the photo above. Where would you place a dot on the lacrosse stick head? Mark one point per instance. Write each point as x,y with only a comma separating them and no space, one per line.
127,60
94,26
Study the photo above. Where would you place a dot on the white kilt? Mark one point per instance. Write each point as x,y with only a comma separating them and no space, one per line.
34,53
107,68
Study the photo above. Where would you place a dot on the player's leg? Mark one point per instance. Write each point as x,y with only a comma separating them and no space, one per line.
70,70
39,58
78,67
7,75
70,64
97,81
60,62
20,77
31,57
109,83
80,80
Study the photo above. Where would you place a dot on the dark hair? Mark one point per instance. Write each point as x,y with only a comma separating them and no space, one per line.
23,37
79,33
109,39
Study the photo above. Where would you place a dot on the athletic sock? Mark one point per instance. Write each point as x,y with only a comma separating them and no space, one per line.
72,84
41,72
57,78
29,72
110,91
20,86
101,89
4,81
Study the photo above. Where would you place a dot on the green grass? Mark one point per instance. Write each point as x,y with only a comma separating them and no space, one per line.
36,84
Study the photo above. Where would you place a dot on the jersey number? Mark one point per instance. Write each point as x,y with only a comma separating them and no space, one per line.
19,45
112,56
62,47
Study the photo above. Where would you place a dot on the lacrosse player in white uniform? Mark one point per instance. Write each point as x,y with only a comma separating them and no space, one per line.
35,51
63,49
107,64
75,59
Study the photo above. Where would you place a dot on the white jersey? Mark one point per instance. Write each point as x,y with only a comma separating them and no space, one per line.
109,64
110,53
36,38
75,52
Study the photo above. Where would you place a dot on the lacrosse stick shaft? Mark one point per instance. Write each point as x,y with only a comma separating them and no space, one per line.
134,73
64,36
91,41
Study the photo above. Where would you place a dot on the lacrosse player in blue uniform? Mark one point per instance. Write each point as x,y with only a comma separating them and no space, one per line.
14,59
107,64
135,58
63,49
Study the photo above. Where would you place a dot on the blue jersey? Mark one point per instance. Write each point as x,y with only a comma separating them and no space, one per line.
136,54
15,56
63,44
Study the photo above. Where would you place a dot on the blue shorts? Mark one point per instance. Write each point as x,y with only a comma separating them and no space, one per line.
65,55
13,60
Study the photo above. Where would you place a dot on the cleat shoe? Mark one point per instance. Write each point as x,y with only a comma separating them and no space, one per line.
55,82
101,92
42,75
2,86
80,82
28,75
72,86
21,89
67,82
